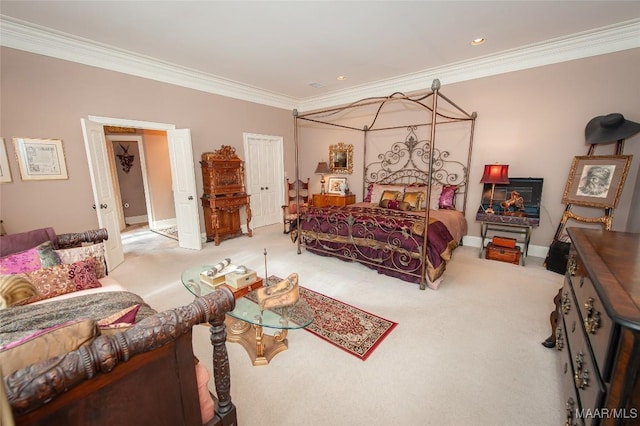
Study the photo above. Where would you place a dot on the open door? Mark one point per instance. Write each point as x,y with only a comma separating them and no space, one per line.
184,188
105,203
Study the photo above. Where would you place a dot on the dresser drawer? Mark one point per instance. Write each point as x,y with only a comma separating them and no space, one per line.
597,324
586,376
569,394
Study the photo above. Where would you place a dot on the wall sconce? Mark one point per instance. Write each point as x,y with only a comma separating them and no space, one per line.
322,169
495,174
126,159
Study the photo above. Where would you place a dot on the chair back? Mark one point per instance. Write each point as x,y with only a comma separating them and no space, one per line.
297,188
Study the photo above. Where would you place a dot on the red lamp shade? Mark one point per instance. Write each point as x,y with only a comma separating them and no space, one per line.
496,174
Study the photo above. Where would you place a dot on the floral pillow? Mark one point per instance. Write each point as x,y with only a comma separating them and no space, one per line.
448,197
62,279
76,254
42,256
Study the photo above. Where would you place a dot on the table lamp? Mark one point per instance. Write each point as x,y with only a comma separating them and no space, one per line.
322,169
494,174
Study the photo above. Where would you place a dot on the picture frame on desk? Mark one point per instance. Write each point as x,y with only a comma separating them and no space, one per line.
596,180
335,184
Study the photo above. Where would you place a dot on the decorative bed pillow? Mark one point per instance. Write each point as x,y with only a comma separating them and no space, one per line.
436,190
378,189
414,199
448,197
15,288
394,205
44,344
75,254
389,195
63,279
42,256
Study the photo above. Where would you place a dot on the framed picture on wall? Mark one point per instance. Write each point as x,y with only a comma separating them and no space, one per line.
596,180
40,159
5,173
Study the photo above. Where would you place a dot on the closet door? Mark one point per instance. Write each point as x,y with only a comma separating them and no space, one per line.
264,177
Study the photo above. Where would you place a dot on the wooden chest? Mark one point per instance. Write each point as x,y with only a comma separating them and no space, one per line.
503,254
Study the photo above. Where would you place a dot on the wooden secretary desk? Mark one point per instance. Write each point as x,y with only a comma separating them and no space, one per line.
224,194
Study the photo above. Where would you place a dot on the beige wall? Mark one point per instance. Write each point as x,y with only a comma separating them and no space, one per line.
45,98
532,120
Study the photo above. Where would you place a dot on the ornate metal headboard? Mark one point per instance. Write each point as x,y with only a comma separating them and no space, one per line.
408,162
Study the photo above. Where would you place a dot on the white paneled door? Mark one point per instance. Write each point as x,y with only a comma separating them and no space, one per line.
264,177
104,199
184,188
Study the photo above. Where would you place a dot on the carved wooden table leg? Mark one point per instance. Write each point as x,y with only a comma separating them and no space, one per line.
221,371
550,342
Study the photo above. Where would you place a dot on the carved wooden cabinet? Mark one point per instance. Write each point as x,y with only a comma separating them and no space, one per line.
598,328
224,194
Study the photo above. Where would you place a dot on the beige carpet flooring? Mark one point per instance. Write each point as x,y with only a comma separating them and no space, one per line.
468,353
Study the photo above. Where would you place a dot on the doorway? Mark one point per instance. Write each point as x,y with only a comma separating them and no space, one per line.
181,171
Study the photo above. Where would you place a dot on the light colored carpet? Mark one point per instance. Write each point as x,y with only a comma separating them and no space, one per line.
169,231
468,353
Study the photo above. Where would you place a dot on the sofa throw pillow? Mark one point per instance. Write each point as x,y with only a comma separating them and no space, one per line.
448,197
62,279
42,256
15,288
75,254
47,343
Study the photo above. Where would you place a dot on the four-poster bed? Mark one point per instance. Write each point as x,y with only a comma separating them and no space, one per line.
409,190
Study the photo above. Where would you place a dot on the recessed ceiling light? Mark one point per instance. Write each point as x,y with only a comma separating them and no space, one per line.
316,85
477,41
341,78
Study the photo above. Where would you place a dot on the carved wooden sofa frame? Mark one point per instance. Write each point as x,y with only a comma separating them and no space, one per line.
145,375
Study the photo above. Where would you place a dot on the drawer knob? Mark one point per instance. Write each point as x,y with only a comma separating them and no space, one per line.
592,320
566,303
580,377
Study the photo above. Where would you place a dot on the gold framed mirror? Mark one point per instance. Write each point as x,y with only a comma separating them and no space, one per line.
341,158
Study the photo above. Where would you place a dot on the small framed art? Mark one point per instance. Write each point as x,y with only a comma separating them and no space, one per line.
40,159
596,180
336,185
5,172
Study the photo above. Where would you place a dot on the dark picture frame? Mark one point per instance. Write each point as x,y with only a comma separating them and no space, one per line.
596,180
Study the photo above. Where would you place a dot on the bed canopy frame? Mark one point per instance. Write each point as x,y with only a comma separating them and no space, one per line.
383,170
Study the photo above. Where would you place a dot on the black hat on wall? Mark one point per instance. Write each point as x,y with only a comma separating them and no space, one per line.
609,128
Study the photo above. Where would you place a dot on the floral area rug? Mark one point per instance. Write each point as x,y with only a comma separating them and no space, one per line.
170,231
347,327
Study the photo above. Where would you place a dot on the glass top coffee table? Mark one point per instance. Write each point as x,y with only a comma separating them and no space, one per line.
246,316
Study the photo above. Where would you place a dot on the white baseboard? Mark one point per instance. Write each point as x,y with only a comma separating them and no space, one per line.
134,220
164,223
535,251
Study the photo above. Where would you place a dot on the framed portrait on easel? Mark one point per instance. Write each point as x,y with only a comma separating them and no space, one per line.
596,180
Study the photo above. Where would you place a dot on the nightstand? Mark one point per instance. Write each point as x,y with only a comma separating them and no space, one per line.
322,200
497,223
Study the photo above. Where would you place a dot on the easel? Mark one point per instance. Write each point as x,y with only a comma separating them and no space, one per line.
606,220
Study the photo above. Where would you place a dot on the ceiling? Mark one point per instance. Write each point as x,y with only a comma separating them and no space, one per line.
271,51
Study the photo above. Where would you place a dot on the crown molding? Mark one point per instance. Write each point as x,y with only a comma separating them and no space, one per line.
601,41
33,38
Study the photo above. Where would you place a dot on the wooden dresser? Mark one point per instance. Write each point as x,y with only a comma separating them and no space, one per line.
598,328
322,200
224,194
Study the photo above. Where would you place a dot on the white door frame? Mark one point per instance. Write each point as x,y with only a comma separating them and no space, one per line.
121,122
